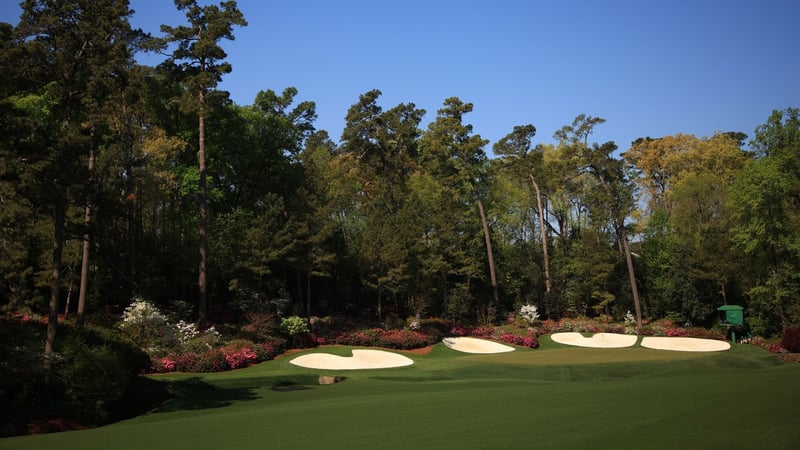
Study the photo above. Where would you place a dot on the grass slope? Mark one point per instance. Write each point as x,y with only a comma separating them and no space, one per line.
555,397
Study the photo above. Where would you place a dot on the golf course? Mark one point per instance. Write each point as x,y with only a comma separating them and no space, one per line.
557,396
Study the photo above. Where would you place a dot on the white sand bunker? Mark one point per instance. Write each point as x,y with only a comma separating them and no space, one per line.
361,359
685,344
599,340
473,345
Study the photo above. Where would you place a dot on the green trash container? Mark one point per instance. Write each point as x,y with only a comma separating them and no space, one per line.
734,317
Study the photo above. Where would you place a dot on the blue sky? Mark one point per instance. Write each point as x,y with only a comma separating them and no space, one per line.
650,68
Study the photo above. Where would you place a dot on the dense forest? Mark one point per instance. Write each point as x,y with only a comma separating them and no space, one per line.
121,181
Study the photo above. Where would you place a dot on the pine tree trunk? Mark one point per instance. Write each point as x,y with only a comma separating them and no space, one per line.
308,295
623,235
87,223
543,233
55,287
68,299
201,281
489,252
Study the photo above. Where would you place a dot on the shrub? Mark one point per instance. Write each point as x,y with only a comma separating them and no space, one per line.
482,332
676,332
92,377
269,350
239,357
145,324
550,326
133,358
458,331
365,337
401,339
530,341
259,325
790,340
579,324
212,360
703,333
202,342
186,331
617,328
21,373
240,353
162,365
294,326
236,354
183,362
529,313
758,326
396,339
434,323
630,323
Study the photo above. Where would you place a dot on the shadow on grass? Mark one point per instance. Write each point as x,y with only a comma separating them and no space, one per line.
415,379
196,393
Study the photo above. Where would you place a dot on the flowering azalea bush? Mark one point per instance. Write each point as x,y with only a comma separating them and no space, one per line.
482,332
239,358
704,333
549,326
580,324
530,341
403,339
165,364
459,331
182,347
235,355
363,337
378,337
776,348
479,331
676,332
147,326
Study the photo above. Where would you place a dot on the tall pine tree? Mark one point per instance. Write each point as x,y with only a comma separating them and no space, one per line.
199,62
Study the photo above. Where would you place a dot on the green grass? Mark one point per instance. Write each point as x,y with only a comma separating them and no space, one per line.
555,397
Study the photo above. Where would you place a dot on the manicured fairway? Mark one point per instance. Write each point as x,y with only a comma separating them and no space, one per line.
552,398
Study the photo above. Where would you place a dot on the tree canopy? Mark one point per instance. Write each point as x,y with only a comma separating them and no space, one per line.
104,162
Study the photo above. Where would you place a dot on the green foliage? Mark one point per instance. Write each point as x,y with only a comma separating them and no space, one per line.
21,374
198,54
768,220
93,377
146,325
294,326
387,223
132,357
95,368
